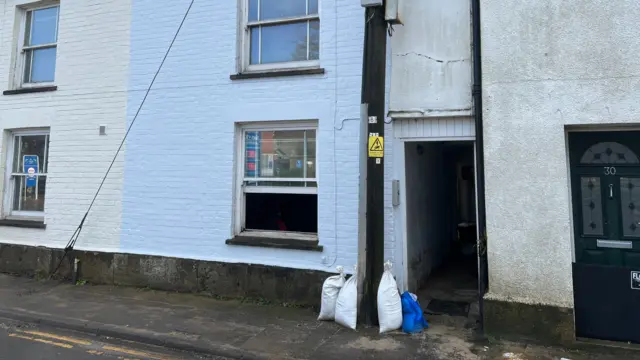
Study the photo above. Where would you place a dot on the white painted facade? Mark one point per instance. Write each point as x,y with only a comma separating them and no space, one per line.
182,159
91,78
430,100
561,65
150,203
194,110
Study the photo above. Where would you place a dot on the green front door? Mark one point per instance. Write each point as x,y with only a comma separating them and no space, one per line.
606,198
605,185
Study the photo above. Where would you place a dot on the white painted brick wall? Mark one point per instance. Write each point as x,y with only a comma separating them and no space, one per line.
178,193
191,111
91,73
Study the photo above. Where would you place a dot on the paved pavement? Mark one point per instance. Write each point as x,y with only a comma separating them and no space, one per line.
26,341
107,317
228,328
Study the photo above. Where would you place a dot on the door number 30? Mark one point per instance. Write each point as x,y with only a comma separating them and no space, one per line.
609,170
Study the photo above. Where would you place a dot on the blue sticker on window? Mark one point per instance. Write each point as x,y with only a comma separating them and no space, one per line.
30,163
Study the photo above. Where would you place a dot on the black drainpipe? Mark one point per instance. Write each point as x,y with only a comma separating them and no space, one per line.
477,102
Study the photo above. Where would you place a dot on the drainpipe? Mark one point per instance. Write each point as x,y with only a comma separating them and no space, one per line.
477,101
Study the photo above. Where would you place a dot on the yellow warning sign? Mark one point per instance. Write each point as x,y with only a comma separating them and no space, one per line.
376,146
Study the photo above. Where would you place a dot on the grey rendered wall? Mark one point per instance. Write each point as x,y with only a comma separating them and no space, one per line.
431,59
548,65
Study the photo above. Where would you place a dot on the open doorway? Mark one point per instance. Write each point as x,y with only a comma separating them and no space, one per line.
441,226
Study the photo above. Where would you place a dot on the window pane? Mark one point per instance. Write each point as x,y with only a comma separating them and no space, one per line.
314,40
44,166
309,184
591,206
311,154
43,65
630,203
16,154
313,7
282,43
276,9
32,145
609,153
43,27
282,212
29,196
255,46
28,58
253,10
280,154
27,30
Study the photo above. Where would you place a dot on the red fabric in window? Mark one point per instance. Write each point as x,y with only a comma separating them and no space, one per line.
281,225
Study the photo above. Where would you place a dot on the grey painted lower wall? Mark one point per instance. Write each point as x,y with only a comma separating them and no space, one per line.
236,280
532,323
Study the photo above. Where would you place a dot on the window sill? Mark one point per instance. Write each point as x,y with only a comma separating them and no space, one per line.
30,224
276,73
275,242
29,90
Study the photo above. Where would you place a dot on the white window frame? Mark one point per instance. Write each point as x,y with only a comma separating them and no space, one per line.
241,189
7,202
245,42
21,58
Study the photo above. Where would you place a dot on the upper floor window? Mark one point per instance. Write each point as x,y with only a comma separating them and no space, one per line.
281,34
39,40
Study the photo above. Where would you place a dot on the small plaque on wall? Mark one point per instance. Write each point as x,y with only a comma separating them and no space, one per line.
635,280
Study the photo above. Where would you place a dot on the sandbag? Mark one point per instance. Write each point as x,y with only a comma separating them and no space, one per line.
389,303
330,290
412,318
347,303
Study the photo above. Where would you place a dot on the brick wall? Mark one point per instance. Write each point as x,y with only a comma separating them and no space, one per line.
185,128
178,192
91,73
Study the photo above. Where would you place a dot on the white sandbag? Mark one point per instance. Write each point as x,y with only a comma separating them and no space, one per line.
389,303
330,290
347,303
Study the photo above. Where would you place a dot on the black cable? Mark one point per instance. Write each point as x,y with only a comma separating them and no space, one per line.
76,233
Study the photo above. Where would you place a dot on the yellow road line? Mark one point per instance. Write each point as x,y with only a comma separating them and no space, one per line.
66,346
132,352
57,337
20,336
35,334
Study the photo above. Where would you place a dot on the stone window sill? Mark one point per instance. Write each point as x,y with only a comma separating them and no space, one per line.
30,224
276,73
29,90
275,242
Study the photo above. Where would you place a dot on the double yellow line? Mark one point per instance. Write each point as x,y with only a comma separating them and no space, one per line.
67,342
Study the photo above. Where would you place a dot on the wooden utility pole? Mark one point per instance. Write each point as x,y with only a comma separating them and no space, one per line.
373,95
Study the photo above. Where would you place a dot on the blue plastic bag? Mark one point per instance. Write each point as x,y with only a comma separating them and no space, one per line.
412,319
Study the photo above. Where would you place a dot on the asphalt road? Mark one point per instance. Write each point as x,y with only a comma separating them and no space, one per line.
19,348
24,341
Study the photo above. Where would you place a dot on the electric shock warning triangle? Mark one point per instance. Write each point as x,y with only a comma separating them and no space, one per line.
376,146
